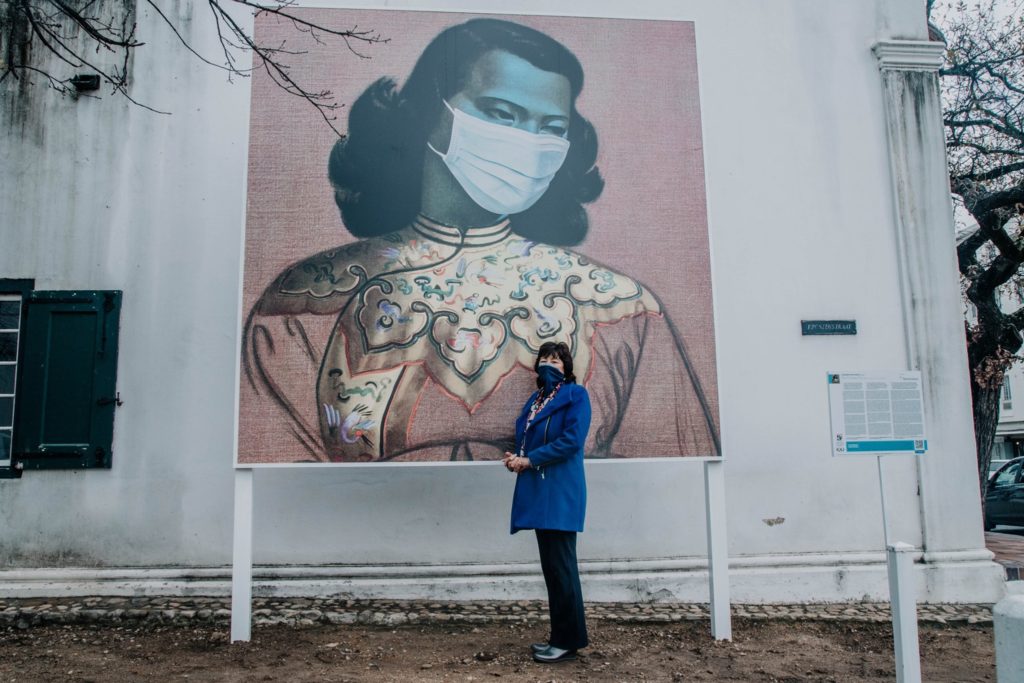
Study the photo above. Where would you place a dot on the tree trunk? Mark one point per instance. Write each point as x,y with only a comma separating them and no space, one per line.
985,401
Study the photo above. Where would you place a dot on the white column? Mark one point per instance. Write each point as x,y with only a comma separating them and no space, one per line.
718,551
934,326
241,567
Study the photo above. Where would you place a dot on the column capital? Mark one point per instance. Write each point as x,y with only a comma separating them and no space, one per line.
909,55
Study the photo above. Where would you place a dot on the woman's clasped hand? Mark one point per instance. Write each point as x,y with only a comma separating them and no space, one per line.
515,463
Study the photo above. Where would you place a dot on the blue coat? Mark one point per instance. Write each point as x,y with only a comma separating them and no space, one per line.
553,493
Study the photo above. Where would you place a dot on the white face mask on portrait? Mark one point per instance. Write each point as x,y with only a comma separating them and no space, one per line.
503,169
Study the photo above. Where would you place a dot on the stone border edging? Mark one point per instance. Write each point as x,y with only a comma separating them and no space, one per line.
305,612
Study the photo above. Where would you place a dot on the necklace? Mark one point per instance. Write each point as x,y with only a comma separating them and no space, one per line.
540,402
538,405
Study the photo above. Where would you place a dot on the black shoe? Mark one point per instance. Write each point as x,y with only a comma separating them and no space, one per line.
539,647
554,655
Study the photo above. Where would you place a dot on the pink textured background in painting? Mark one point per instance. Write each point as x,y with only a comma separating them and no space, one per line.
640,93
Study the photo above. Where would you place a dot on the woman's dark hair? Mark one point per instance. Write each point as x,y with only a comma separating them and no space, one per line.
561,351
377,169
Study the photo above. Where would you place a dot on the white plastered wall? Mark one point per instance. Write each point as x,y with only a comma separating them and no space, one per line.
99,194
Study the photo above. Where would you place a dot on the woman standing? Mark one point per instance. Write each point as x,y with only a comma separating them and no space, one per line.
551,492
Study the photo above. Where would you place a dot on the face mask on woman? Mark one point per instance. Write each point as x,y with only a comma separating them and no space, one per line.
503,169
550,375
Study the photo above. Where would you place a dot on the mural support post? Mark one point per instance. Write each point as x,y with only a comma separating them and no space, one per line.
241,561
718,551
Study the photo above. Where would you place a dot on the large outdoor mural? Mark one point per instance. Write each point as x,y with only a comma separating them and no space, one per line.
502,182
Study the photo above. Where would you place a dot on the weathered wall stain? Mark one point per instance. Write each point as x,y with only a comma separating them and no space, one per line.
26,94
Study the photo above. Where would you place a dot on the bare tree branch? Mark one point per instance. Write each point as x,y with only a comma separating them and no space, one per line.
90,26
181,39
992,173
69,33
983,98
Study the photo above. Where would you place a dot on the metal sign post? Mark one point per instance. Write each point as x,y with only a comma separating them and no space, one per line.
883,414
903,601
899,559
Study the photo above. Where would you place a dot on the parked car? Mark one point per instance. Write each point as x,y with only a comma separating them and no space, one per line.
995,464
1004,502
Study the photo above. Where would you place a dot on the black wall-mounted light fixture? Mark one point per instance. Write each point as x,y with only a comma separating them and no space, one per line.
86,82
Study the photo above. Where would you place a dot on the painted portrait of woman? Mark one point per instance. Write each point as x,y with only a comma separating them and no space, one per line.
465,190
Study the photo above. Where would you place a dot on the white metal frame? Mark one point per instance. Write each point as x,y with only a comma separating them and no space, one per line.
718,556
714,473
718,550
241,558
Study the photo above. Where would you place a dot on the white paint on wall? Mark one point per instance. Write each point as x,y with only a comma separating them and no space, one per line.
101,194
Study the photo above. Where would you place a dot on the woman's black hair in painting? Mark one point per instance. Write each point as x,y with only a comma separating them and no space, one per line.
377,169
561,351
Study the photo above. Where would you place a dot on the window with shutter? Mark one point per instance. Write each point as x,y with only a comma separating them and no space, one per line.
12,295
65,380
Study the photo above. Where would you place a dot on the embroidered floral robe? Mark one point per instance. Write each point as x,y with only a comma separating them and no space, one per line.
419,345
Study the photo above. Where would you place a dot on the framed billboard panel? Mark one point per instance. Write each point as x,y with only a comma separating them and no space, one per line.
502,181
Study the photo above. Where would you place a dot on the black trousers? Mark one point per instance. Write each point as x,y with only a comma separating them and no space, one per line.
565,598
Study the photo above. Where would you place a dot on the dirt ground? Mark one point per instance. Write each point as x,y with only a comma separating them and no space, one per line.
682,651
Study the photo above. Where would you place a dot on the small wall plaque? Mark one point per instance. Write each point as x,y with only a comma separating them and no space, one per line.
813,327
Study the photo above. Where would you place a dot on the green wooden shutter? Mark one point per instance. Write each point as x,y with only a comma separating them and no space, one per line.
67,383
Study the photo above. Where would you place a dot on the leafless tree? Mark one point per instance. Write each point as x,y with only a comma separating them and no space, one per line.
983,91
100,37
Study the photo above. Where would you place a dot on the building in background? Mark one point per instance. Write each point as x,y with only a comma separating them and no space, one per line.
1009,442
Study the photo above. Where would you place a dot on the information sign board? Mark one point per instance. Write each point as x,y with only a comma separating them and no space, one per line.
876,414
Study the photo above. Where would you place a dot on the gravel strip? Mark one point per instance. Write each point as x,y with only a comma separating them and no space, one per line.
24,613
